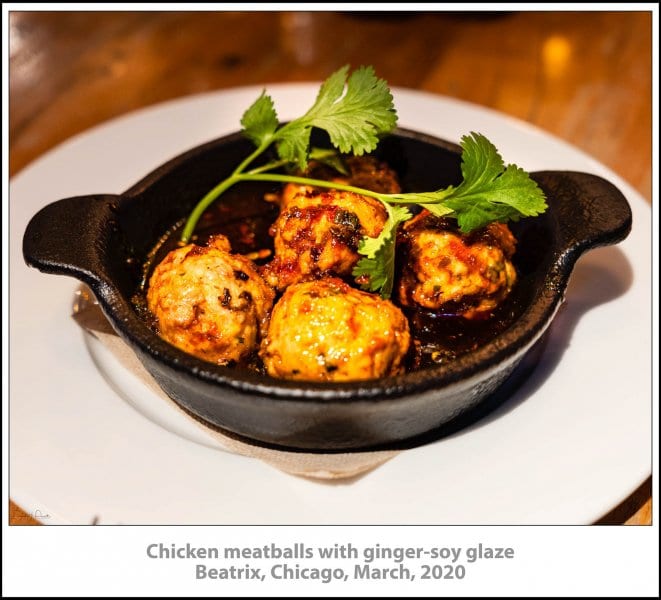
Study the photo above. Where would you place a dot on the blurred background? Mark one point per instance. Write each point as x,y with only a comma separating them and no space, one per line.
585,77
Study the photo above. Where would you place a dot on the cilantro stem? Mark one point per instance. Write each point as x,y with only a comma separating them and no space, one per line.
276,164
263,146
203,204
258,175
222,187
278,178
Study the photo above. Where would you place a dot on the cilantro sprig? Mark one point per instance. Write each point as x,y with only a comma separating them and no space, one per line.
355,112
378,263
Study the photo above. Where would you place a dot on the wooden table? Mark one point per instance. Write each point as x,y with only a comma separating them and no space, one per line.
585,77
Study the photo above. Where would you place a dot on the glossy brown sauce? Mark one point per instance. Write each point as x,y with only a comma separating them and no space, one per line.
245,218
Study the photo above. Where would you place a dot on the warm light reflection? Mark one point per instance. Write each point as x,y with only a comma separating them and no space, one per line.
556,52
297,36
16,40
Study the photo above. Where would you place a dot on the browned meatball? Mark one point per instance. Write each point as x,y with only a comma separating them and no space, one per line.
209,302
318,233
462,274
325,330
318,230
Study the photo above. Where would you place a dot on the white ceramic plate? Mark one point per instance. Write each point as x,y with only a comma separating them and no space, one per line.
572,443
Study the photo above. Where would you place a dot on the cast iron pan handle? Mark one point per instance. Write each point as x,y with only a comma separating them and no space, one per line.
67,237
590,211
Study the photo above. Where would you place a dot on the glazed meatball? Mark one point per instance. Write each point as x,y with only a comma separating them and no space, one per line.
209,302
325,330
365,172
466,275
318,230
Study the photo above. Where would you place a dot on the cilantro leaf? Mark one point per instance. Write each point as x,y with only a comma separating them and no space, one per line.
354,113
295,148
369,246
480,161
378,265
330,158
439,210
260,121
355,120
490,191
378,271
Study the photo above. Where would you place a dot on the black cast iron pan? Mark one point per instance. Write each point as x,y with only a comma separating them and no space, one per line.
104,240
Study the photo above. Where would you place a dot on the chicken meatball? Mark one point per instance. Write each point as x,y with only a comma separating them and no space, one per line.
365,172
325,330
317,233
209,302
466,275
